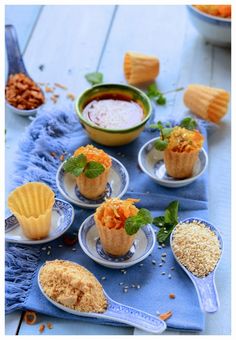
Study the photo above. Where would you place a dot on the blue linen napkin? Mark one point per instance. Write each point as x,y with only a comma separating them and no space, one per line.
55,132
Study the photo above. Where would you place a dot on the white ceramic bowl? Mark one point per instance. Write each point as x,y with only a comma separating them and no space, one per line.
214,29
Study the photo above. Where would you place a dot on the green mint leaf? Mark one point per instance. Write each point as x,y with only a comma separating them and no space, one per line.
93,169
159,221
164,234
167,222
145,215
161,145
161,100
134,223
166,132
171,213
152,91
188,123
75,165
158,125
94,78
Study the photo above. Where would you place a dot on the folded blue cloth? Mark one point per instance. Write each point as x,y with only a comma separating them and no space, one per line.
60,132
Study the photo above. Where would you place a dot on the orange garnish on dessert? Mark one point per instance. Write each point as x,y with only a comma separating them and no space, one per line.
94,154
184,140
114,212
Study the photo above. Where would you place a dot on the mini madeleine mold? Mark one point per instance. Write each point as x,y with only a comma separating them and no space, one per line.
140,68
32,205
207,102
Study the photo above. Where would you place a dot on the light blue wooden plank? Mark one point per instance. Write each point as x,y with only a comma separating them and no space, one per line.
23,17
147,29
220,194
11,323
67,327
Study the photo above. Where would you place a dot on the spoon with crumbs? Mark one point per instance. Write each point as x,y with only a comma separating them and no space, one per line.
103,307
23,95
197,247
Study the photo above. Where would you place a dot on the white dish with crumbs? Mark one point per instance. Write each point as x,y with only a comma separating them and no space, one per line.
90,243
116,312
205,285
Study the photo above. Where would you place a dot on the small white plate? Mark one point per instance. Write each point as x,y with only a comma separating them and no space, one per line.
62,218
90,243
117,185
151,162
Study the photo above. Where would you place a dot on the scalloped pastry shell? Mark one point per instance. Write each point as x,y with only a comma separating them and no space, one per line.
32,205
140,68
207,102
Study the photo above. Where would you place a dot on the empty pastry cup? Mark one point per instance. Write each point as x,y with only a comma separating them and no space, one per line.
32,205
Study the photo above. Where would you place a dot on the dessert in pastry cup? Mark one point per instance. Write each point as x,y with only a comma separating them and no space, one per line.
91,166
32,205
117,222
181,145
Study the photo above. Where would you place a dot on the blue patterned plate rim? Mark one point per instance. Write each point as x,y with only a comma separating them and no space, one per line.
61,206
160,180
122,173
115,311
89,223
205,286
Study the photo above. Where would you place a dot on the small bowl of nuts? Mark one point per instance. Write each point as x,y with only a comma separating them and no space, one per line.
23,95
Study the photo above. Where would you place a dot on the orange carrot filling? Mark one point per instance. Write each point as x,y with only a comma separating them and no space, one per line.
114,212
94,154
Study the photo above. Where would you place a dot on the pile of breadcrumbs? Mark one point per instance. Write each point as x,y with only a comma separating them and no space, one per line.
73,286
196,247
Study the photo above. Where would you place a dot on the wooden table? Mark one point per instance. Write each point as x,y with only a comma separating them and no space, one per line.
70,41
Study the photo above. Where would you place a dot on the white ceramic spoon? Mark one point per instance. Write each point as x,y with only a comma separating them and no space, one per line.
16,65
118,312
205,286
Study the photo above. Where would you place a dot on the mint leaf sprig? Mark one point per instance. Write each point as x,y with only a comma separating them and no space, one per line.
94,78
165,131
167,222
78,165
134,223
159,97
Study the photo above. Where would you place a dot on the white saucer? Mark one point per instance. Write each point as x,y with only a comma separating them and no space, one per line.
117,185
90,243
151,162
62,218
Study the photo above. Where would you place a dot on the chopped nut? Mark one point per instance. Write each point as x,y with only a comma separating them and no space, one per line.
172,296
49,325
48,89
71,96
53,154
166,315
60,86
30,317
41,328
62,157
54,98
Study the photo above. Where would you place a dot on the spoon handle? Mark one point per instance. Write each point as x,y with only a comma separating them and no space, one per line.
134,317
207,293
15,61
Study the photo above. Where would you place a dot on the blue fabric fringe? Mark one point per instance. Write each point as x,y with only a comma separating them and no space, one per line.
20,266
